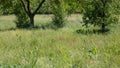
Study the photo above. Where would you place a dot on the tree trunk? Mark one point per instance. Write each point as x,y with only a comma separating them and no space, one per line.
32,20
103,27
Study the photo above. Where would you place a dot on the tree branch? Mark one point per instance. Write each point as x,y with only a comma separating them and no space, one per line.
23,4
38,7
28,6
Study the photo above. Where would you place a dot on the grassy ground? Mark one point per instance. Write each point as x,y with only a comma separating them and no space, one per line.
62,48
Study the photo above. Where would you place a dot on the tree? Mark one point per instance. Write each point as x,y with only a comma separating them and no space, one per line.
28,8
99,13
59,10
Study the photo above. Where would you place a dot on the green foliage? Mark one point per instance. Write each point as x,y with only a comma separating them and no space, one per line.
59,11
116,6
22,19
46,8
74,6
15,7
5,6
99,13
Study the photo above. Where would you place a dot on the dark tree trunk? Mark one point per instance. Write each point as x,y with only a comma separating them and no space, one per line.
32,20
26,6
103,27
103,16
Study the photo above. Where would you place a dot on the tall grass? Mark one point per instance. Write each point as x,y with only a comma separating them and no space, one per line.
63,48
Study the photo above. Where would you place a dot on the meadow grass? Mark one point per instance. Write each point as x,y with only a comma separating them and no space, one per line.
62,48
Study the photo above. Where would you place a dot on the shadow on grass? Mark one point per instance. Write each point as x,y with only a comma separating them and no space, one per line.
53,27
36,27
9,29
94,31
45,26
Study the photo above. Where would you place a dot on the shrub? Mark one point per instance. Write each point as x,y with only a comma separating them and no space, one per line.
59,11
22,19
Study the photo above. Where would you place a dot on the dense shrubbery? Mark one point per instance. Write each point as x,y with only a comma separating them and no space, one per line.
22,20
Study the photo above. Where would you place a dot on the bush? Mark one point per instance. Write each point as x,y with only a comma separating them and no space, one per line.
59,12
58,19
22,19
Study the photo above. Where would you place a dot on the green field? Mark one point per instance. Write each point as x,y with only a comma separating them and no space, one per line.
62,48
